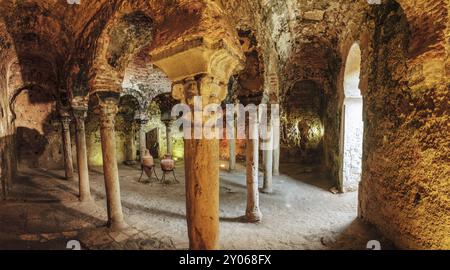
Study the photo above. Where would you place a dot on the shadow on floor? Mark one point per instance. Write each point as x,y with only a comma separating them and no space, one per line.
308,174
153,210
240,219
357,236
42,210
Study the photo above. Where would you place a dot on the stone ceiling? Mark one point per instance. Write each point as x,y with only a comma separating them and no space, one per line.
293,36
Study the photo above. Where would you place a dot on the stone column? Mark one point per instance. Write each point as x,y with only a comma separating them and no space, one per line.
169,142
202,167
201,70
276,152
232,145
107,110
67,145
202,193
142,120
80,114
2,179
253,212
268,161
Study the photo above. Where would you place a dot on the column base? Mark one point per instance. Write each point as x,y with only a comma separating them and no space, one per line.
117,225
253,217
85,199
267,190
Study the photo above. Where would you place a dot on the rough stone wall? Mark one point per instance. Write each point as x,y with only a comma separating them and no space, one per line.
141,75
406,173
32,102
5,129
30,46
270,23
320,29
7,140
302,126
38,129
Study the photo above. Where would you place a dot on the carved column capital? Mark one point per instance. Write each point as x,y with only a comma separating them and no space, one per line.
210,89
200,69
79,110
80,115
65,119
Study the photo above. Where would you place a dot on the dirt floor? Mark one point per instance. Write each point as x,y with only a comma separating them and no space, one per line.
42,212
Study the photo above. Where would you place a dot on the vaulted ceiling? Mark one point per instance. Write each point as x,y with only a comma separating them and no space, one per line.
70,43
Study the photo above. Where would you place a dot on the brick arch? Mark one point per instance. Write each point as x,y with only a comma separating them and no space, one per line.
123,35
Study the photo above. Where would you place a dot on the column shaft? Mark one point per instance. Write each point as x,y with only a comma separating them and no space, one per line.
232,145
131,147
202,170
169,138
268,162
142,138
212,70
276,151
253,212
67,146
108,111
83,170
202,193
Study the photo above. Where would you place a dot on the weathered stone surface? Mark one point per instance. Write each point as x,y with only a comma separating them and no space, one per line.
315,15
51,52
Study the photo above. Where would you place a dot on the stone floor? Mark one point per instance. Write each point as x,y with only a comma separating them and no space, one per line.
42,212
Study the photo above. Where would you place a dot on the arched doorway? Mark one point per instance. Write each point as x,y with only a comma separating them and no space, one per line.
352,123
